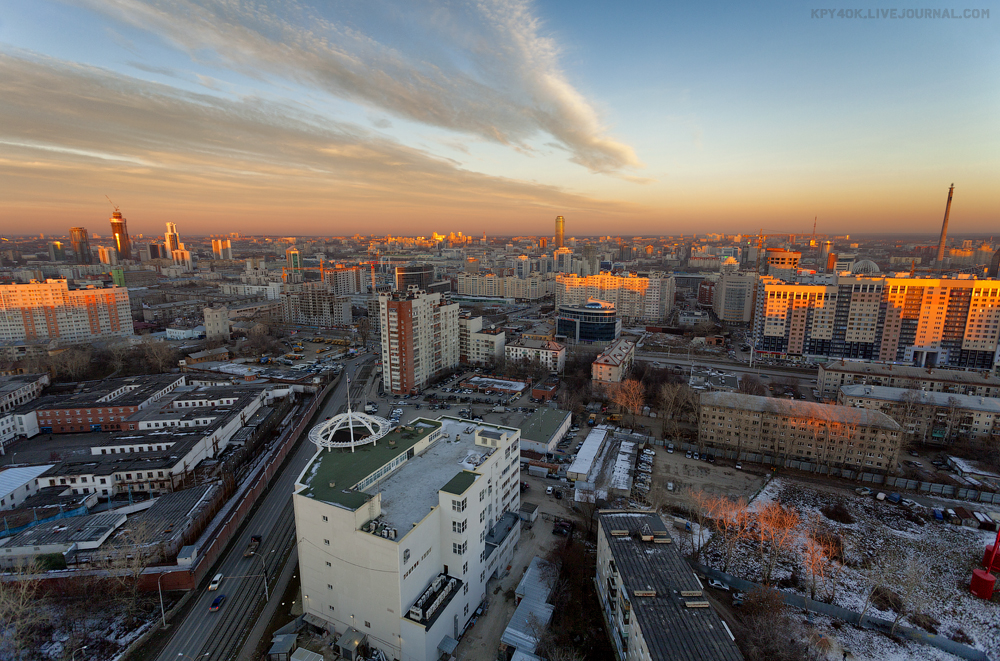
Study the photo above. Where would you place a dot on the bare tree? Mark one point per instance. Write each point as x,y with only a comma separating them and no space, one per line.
776,529
364,330
630,396
670,399
878,575
732,523
22,610
751,385
130,554
909,582
700,505
160,356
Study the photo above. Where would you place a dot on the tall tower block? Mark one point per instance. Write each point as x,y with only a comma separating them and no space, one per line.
560,231
119,231
944,229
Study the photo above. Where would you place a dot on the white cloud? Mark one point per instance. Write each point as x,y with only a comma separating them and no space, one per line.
483,68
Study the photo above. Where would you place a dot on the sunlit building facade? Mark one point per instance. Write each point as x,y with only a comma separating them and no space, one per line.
636,297
50,310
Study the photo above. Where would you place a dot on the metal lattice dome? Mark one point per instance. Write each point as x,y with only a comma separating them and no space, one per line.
865,266
324,434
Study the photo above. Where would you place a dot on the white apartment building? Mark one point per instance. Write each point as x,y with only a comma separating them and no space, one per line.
528,288
314,304
549,354
420,338
636,297
614,363
398,539
476,345
50,310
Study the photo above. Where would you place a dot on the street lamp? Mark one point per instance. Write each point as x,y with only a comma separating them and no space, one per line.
73,656
163,613
263,569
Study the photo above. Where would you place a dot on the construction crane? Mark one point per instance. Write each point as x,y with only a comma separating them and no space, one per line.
761,237
813,241
115,206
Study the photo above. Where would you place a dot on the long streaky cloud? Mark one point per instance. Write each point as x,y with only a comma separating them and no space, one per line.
482,68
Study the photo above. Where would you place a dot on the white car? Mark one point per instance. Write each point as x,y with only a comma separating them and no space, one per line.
216,582
717,584
548,491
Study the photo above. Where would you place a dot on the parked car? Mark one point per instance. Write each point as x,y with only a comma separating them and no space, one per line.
739,466
717,584
863,491
548,491
217,603
558,495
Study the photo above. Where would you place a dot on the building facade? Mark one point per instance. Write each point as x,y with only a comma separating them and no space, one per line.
80,240
594,322
732,298
930,418
614,363
478,346
420,338
50,310
837,436
217,324
834,374
119,232
550,355
637,297
928,322
398,554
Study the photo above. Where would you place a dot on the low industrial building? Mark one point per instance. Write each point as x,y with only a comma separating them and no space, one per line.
841,436
56,537
18,483
654,606
542,431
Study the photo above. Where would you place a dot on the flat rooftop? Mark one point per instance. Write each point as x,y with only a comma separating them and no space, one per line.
543,425
344,469
409,494
800,409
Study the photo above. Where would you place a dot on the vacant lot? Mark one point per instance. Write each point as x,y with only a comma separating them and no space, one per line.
689,474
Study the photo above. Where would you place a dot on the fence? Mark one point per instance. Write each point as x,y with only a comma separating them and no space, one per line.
896,483
853,617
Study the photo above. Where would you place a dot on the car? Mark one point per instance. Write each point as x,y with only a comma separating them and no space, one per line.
909,503
914,453
216,582
688,454
670,486
548,491
739,466
670,448
217,603
559,495
717,584
863,491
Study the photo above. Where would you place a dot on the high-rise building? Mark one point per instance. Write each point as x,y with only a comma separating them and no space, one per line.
107,255
418,275
420,338
183,258
80,241
929,322
50,310
172,239
733,297
543,243
119,231
217,324
637,297
314,304
222,249
293,259
57,253
560,231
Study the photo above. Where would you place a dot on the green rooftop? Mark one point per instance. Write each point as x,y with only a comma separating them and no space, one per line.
460,483
344,469
542,424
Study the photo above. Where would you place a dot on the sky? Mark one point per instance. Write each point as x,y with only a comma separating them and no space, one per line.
414,116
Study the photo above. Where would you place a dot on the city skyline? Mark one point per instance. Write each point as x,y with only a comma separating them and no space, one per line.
383,118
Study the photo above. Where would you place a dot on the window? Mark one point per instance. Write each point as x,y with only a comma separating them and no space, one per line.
326,542
459,549
465,569
330,607
368,624
325,518
458,526
329,587
328,563
459,505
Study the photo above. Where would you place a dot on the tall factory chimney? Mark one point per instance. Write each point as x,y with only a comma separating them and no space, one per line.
944,230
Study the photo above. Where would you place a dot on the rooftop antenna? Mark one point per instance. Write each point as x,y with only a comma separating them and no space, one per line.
112,203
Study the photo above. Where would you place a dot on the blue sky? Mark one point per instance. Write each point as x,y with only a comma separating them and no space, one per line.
413,117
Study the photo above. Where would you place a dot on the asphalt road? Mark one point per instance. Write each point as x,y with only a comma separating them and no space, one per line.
205,636
804,375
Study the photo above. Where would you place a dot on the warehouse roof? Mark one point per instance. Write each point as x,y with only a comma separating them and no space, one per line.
653,576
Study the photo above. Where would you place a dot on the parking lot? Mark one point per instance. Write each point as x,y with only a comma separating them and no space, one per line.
690,474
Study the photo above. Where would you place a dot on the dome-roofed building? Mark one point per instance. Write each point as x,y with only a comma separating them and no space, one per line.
865,267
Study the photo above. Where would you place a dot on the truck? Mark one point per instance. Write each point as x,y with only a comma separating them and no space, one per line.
615,417
592,420
252,546
371,408
498,409
894,498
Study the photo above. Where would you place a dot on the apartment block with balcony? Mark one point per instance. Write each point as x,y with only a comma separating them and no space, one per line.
549,354
637,297
479,346
930,418
835,436
834,374
420,339
50,310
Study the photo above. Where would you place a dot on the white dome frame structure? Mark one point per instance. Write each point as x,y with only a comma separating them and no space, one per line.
322,434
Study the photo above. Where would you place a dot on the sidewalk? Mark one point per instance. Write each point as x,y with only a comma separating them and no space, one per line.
277,590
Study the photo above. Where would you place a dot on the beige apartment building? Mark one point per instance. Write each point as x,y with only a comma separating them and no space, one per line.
614,363
420,338
837,436
834,374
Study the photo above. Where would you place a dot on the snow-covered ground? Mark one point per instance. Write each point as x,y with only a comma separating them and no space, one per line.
946,554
